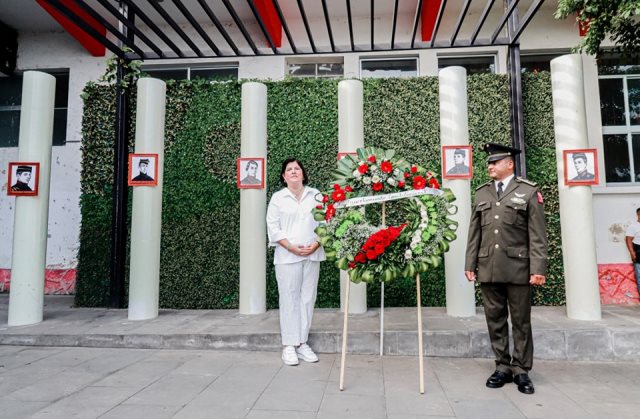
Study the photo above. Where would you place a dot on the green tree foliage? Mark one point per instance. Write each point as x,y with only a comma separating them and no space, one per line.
617,19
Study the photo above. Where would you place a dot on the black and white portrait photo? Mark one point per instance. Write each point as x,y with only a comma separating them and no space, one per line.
23,178
581,167
457,162
251,173
143,169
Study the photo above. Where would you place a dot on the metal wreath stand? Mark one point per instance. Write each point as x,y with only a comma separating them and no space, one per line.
345,326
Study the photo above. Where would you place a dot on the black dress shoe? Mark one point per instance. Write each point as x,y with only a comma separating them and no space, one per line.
525,385
499,379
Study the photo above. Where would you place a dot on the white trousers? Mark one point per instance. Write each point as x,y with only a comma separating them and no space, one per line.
297,288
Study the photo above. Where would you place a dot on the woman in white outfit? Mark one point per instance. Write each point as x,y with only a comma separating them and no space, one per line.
297,258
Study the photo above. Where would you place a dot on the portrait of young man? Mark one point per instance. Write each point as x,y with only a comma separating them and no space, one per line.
580,163
143,169
251,174
23,178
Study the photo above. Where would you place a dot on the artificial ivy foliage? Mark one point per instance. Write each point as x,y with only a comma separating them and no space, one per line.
201,205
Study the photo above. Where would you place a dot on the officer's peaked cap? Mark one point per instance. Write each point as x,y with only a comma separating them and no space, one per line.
498,151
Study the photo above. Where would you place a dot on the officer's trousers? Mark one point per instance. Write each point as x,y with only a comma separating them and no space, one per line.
297,288
500,300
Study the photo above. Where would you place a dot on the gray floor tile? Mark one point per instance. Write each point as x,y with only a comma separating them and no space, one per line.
15,409
140,411
279,414
352,406
172,390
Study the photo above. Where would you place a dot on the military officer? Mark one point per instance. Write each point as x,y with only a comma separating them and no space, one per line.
143,166
580,163
507,254
23,174
459,167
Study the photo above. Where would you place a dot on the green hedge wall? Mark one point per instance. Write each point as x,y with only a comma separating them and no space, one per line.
200,237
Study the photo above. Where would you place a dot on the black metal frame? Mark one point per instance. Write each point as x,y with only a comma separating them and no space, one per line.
147,49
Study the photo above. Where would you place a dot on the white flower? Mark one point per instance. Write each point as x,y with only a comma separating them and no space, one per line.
373,167
413,245
366,180
408,254
356,173
391,181
375,178
423,225
397,172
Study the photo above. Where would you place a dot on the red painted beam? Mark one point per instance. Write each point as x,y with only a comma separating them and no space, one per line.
428,15
94,47
269,15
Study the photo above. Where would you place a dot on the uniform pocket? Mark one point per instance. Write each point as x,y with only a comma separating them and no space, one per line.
483,252
516,214
518,252
483,212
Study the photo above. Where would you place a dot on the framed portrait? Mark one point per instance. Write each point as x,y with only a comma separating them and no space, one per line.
580,167
250,172
342,155
24,178
143,169
457,162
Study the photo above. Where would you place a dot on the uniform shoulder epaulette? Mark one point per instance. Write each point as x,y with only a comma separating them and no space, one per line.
483,185
527,181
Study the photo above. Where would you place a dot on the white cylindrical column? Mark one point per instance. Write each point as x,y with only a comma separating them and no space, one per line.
146,216
350,138
454,130
28,259
253,203
576,207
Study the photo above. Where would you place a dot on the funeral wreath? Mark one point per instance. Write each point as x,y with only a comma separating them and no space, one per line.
379,252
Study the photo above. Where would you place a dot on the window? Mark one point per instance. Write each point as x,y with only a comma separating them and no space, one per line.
192,73
619,84
316,70
388,67
536,63
473,65
10,105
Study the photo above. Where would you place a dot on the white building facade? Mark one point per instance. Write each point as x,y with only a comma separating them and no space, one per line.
614,131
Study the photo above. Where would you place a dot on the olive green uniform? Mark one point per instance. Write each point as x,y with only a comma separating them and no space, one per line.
507,243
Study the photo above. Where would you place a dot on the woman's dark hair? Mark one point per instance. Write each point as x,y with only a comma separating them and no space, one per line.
305,178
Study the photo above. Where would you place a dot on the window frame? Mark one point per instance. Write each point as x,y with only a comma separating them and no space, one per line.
627,129
488,54
316,63
189,68
416,59
55,72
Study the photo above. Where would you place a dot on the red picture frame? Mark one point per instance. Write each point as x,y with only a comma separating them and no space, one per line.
580,167
343,154
142,178
250,172
452,171
13,189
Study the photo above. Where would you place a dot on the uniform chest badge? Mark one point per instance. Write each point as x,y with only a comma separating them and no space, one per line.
518,201
520,195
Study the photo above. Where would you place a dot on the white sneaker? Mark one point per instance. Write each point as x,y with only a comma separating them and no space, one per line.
306,354
289,356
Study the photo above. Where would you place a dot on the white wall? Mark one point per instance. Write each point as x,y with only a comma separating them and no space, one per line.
55,50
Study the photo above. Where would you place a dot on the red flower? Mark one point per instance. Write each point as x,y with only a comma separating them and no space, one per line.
319,206
419,182
414,169
325,198
371,255
406,175
433,183
379,249
361,258
377,186
348,188
331,211
336,187
363,168
400,184
352,265
372,158
386,167
338,195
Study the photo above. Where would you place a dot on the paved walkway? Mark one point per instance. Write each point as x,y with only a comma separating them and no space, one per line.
63,383
614,338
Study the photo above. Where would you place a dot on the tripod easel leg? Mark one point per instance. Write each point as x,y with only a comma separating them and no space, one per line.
420,351
344,335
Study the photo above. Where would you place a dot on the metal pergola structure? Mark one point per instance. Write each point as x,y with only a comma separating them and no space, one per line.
152,30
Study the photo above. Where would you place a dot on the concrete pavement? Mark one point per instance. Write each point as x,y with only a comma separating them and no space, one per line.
615,338
63,383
